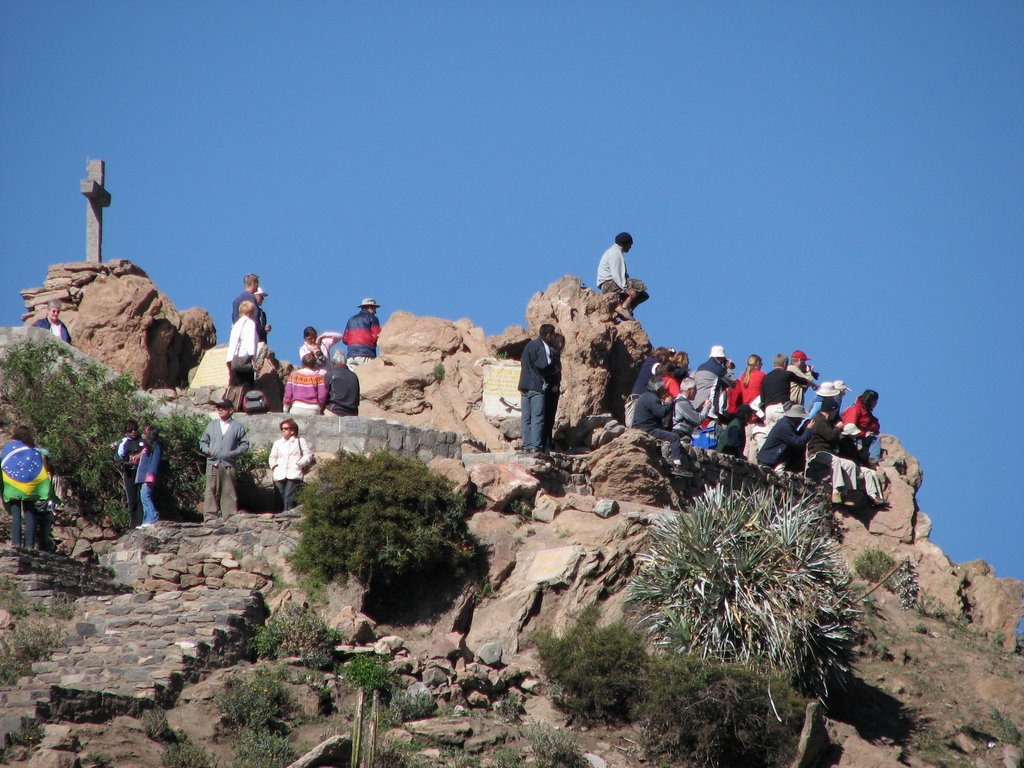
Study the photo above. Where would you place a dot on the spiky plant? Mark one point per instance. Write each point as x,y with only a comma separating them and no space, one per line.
753,578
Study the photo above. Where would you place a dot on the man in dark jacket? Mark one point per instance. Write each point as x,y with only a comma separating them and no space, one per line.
342,386
552,393
250,284
823,458
52,322
361,333
784,446
535,367
652,409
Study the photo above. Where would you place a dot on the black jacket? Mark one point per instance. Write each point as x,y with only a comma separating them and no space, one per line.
534,367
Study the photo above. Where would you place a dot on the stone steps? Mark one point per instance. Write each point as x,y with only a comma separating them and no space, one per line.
43,575
129,653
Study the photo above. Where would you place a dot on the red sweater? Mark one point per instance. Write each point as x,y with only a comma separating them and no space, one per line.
741,393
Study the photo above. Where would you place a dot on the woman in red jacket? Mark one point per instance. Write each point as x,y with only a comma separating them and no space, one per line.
861,414
748,386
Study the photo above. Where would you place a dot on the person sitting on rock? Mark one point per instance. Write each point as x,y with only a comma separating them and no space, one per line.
612,278
686,419
651,366
318,344
306,390
823,457
675,370
714,378
361,333
342,386
804,376
732,439
652,410
52,323
784,446
862,414
872,480
828,389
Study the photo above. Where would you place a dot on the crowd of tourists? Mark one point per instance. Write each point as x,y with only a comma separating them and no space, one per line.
783,420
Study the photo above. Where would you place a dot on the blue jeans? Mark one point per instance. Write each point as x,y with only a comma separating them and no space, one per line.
532,420
33,520
286,490
149,513
872,446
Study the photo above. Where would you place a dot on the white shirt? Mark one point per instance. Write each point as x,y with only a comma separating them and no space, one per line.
612,267
242,341
56,328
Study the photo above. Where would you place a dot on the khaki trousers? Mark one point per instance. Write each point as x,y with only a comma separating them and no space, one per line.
221,494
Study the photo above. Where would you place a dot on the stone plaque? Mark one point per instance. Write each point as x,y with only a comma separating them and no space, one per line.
501,389
212,371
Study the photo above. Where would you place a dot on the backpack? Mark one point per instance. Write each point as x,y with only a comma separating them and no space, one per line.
254,402
706,439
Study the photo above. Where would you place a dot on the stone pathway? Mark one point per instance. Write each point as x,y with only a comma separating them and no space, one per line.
127,653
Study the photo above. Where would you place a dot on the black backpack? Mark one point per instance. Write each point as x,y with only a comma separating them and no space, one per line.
254,402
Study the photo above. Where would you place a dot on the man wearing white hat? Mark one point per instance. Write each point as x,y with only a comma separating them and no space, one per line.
361,333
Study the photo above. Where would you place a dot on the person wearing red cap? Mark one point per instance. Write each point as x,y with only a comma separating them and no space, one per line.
800,366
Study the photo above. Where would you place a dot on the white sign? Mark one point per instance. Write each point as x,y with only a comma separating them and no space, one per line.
501,389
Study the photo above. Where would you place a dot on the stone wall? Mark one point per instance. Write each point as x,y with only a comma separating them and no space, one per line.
241,552
42,575
356,434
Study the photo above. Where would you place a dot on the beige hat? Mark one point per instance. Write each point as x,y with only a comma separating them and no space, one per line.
841,386
796,412
828,389
851,429
717,351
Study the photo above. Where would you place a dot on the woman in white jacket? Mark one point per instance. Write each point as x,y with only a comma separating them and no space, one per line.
242,353
290,456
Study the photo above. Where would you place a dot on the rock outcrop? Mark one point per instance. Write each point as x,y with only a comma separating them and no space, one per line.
116,315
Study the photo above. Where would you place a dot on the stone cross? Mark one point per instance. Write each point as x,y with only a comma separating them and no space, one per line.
97,198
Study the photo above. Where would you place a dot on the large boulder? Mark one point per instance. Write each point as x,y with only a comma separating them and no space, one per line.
116,315
600,359
631,468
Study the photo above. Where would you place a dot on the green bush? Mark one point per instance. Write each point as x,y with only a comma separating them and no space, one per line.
872,564
258,702
156,727
380,518
752,578
259,748
709,714
413,705
76,410
395,754
553,748
11,599
185,754
597,672
369,672
297,631
31,640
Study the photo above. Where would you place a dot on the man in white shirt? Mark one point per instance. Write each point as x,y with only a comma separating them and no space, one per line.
613,278
52,322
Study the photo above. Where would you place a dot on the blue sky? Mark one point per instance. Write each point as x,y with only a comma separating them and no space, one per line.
844,178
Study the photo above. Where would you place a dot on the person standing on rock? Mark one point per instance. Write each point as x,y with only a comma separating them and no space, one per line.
129,452
535,366
223,442
26,486
52,322
552,393
145,475
250,284
263,328
613,278
290,455
241,353
362,332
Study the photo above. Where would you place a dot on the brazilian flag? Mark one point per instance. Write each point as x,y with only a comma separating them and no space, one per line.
24,472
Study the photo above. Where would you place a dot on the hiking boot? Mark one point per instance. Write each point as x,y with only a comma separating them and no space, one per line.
837,497
678,471
624,313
